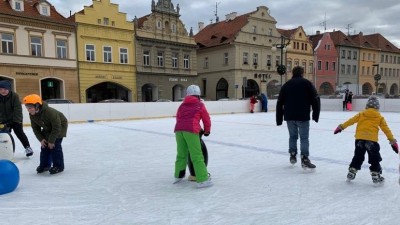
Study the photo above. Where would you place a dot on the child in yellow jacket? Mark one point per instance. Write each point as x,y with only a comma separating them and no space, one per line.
368,122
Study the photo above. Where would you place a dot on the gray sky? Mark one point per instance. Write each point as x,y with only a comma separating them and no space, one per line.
367,16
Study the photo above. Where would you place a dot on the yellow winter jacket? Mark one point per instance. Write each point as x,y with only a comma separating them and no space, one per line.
368,123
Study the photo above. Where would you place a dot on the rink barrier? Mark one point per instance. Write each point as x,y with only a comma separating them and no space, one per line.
92,112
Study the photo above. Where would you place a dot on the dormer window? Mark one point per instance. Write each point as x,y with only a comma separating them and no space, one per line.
17,5
44,11
43,8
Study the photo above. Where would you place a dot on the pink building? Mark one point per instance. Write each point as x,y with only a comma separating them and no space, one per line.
325,58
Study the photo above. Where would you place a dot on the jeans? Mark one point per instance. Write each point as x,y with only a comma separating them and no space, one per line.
296,129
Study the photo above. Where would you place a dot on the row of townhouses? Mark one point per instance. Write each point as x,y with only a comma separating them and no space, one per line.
97,54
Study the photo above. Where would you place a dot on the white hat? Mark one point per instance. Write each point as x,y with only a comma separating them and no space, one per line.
193,90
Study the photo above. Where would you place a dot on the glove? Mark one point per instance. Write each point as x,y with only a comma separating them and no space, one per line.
338,129
395,146
206,133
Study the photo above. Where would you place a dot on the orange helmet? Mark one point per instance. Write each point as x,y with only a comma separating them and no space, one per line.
33,99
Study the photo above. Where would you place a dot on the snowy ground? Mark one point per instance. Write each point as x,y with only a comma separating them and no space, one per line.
122,173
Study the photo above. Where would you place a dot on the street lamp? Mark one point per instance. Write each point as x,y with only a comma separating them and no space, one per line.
377,77
283,46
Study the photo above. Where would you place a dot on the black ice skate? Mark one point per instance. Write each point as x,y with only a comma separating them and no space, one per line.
352,174
41,169
306,163
293,158
54,170
377,178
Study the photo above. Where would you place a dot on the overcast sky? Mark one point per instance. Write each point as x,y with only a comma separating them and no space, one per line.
367,16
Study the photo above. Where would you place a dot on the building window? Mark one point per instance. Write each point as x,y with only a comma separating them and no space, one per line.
106,21
45,11
355,70
18,6
186,61
7,43
61,49
245,58
98,21
289,66
342,68
333,66
113,23
175,60
123,55
254,29
277,60
326,65
90,53
206,62
159,26
348,54
146,58
304,67
269,60
160,59
255,59
36,46
311,67
319,65
348,69
173,28
107,54
343,54
226,58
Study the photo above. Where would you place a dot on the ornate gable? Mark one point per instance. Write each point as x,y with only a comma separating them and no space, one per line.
165,6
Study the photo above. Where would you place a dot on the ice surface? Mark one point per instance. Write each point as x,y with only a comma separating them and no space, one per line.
122,173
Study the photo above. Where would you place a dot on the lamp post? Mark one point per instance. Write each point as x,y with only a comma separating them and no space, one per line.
377,77
283,46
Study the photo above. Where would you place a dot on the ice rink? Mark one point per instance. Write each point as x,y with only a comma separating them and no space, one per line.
122,173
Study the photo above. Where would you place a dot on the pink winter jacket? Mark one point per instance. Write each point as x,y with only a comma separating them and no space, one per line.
189,114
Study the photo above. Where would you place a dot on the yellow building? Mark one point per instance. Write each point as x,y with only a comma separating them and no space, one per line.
106,59
299,52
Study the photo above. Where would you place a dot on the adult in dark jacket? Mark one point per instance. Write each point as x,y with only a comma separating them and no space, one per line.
295,100
50,127
11,114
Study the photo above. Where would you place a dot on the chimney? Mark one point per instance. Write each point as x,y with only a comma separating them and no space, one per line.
233,15
318,32
227,17
201,26
361,33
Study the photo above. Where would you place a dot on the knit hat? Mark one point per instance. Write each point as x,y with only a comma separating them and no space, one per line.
5,84
373,102
193,90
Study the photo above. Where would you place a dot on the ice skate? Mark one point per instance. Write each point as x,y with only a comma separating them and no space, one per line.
54,170
177,180
204,184
191,178
293,158
352,174
41,169
377,178
306,163
28,151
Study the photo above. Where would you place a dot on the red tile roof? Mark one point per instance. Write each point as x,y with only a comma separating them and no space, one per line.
382,43
31,12
287,33
221,33
362,42
315,39
341,39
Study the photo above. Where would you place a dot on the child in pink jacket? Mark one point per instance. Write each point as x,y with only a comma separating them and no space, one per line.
187,129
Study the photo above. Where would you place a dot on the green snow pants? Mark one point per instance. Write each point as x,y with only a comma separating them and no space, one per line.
189,143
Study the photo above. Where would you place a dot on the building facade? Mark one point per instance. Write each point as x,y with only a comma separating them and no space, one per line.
165,53
299,52
325,58
106,58
235,56
38,50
